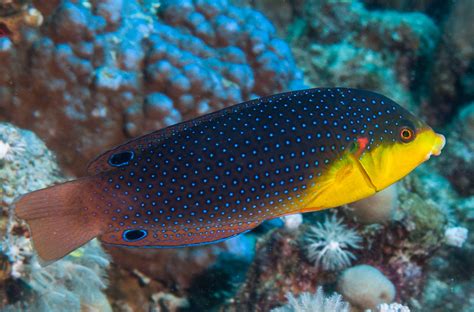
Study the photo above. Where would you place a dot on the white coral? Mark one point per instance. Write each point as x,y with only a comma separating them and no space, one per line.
456,236
317,302
327,244
12,147
293,221
392,307
4,149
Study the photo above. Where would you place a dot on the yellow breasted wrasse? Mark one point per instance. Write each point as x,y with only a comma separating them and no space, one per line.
222,174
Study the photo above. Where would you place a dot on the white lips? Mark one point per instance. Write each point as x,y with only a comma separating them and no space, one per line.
440,142
438,146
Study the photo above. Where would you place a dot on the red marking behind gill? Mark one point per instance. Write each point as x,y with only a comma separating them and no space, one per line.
362,143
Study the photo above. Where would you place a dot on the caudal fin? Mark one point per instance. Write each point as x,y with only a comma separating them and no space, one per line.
57,218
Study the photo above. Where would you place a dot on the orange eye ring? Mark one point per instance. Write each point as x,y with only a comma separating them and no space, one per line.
407,134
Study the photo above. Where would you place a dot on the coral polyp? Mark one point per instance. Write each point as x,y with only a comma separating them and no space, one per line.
328,244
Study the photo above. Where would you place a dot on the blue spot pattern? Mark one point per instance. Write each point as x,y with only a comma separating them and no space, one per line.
224,173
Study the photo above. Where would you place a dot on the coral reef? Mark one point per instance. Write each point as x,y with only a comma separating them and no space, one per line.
343,64
221,280
350,45
166,265
169,302
86,75
95,73
74,283
428,6
399,248
203,276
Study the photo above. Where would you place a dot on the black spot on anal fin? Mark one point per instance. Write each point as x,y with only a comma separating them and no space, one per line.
134,235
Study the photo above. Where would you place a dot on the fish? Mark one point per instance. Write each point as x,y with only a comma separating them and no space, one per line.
223,174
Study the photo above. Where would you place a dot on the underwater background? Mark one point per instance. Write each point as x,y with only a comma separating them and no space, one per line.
79,77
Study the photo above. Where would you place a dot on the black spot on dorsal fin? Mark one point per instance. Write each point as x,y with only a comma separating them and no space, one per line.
121,158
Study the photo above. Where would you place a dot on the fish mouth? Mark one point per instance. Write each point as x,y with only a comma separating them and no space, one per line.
438,145
440,141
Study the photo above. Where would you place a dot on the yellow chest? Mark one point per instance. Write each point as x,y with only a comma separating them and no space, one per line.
344,182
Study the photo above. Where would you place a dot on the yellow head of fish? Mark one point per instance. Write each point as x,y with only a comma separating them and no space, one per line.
398,147
380,142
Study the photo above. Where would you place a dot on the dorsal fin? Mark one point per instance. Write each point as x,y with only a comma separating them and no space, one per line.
101,163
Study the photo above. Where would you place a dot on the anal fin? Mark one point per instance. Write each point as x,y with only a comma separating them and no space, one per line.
182,236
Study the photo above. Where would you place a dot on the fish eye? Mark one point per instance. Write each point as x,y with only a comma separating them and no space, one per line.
121,159
134,235
407,134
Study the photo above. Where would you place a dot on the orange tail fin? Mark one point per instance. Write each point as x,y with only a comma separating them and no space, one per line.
57,219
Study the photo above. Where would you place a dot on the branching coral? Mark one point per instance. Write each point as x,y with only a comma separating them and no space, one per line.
317,302
392,307
328,244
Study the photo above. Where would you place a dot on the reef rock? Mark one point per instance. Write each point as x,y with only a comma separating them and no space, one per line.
457,162
346,44
452,71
